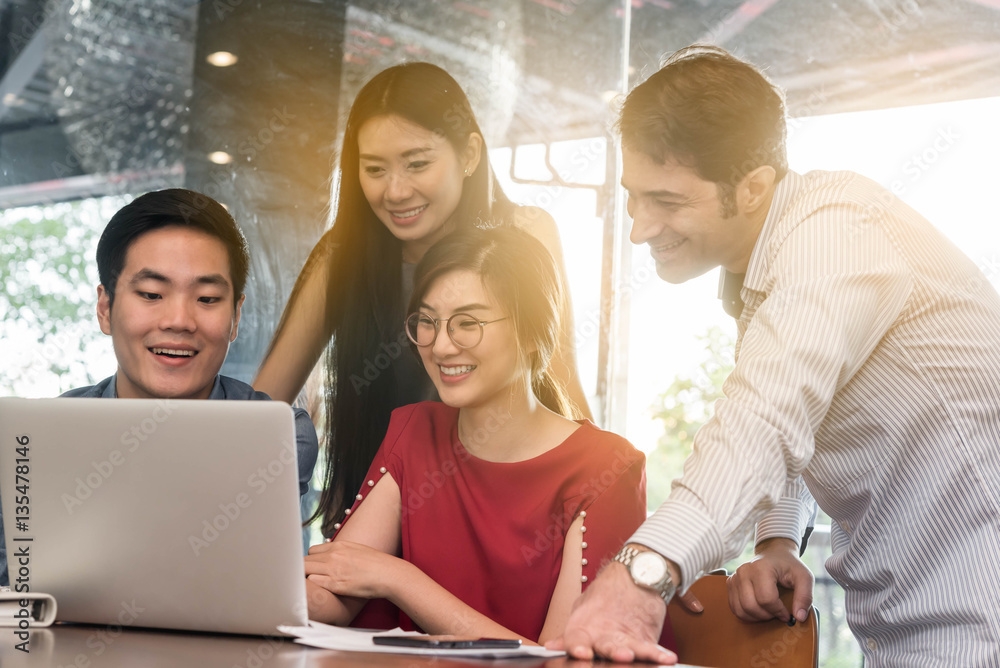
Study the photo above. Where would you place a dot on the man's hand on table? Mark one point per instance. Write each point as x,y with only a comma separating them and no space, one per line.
753,588
618,620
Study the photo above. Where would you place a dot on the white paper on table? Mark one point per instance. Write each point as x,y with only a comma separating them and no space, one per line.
359,640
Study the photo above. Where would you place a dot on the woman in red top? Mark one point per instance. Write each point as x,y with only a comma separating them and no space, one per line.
487,514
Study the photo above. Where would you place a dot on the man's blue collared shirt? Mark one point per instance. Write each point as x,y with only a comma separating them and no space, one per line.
225,388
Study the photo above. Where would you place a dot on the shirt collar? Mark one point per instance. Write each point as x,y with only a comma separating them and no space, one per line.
730,286
111,391
784,194
217,390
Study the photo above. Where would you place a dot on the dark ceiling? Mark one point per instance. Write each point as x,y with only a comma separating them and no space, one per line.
95,91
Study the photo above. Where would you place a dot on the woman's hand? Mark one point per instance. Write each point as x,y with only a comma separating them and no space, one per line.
352,569
323,605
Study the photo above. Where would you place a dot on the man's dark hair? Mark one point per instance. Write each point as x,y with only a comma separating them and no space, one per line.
164,208
711,112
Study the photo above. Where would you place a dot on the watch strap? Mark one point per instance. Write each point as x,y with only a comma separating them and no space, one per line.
665,588
626,555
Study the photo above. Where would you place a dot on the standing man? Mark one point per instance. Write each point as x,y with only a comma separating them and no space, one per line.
867,373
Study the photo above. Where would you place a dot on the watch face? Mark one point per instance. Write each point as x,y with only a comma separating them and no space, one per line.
648,568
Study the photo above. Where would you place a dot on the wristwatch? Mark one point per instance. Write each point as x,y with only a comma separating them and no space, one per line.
648,570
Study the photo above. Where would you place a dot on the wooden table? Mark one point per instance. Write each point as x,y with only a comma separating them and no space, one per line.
84,646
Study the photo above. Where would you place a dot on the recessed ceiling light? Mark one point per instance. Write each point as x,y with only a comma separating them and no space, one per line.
220,157
222,59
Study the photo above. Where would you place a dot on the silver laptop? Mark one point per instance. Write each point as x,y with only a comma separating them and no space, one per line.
155,513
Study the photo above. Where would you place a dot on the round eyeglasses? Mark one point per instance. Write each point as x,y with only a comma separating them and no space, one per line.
464,330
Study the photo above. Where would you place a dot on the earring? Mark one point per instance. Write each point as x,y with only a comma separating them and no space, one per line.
468,172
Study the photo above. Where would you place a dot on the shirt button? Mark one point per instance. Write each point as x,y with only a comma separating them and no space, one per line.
846,526
872,645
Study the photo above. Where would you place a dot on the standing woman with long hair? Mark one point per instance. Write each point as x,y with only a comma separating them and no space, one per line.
413,167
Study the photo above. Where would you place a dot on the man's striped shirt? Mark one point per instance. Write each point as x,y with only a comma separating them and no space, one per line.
868,367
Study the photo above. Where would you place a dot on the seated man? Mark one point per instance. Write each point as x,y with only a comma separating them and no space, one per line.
173,265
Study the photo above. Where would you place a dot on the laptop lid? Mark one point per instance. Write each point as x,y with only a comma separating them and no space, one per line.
155,513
